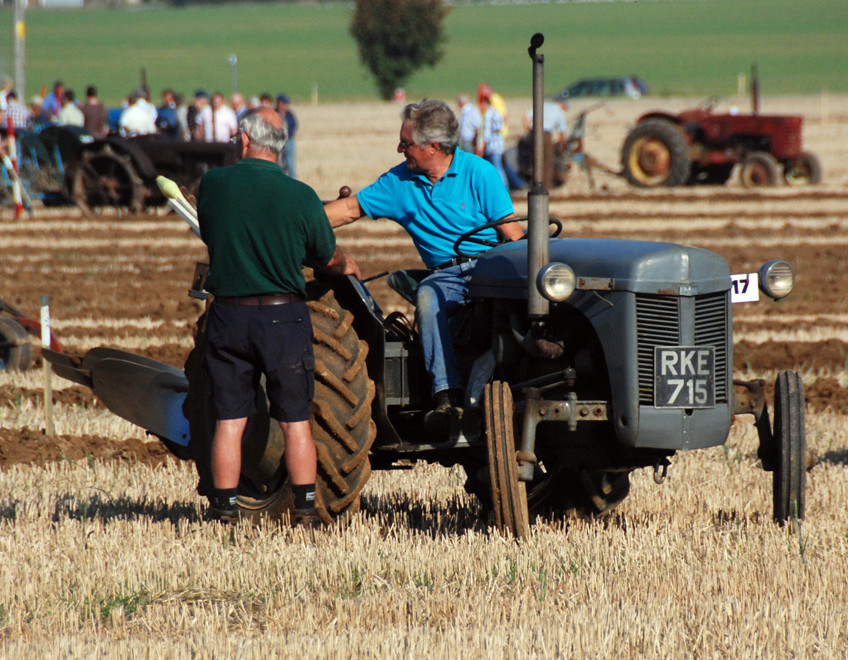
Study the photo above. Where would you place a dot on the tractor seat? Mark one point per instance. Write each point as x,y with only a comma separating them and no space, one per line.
405,282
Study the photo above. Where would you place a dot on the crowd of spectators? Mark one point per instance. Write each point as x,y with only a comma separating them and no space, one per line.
202,118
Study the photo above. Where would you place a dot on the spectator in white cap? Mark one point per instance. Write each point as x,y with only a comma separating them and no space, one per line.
38,117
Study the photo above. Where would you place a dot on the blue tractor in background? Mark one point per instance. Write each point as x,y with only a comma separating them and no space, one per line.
66,165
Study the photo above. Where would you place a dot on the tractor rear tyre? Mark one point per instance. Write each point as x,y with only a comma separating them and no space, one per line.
509,495
803,170
341,423
104,178
15,347
759,168
790,474
655,153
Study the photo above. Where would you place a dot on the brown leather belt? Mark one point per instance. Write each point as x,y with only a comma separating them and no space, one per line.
275,299
453,262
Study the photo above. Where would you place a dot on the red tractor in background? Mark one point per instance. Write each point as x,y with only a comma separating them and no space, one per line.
699,146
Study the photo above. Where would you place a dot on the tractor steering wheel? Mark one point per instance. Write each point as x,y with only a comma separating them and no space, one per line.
469,236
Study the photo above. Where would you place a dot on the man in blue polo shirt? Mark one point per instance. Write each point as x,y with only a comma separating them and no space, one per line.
439,193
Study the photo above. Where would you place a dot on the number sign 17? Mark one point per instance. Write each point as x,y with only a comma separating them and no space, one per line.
744,288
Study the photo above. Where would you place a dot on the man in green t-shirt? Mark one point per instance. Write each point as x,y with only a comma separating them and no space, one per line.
259,225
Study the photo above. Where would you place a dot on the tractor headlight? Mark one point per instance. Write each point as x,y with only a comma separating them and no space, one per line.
777,278
556,281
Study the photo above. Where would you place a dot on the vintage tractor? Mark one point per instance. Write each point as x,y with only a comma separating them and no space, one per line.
67,165
699,146
121,172
43,157
560,157
585,359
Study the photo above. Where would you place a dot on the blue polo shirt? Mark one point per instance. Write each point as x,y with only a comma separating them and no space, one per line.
436,214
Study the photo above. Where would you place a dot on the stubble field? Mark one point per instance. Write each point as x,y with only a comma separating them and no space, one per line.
105,550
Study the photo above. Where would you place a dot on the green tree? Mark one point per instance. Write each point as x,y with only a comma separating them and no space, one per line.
397,37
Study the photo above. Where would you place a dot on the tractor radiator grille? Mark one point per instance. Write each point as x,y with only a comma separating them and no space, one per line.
711,329
658,323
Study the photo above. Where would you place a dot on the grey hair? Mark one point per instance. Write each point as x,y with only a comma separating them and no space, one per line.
262,134
433,122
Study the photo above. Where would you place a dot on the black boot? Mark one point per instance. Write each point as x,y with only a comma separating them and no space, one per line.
448,404
223,505
307,518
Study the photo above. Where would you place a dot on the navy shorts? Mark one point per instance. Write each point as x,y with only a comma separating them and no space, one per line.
244,342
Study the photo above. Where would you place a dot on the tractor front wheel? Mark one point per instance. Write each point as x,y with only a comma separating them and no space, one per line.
759,168
790,473
803,170
509,495
655,153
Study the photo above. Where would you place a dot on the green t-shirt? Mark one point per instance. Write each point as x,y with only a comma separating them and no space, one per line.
259,224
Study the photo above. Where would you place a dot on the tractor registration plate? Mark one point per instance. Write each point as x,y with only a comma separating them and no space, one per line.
684,377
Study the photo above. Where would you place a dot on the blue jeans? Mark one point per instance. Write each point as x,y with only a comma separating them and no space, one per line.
290,156
515,181
440,295
496,159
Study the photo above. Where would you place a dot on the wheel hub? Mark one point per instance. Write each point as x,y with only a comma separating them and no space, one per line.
758,175
653,157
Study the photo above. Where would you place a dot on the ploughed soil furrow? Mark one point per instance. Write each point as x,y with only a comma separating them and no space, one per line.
698,212
720,238
75,395
155,295
741,325
31,446
636,216
826,394
707,194
829,355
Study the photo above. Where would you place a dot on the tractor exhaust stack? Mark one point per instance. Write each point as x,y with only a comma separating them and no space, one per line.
537,198
755,90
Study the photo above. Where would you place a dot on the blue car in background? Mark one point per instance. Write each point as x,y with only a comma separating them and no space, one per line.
631,86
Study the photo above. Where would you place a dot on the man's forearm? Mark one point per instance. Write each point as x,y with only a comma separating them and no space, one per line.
512,230
343,211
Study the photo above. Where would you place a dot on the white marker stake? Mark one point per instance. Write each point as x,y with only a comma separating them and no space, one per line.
48,382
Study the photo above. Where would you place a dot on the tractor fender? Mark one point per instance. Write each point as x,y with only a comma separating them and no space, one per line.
690,127
674,119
